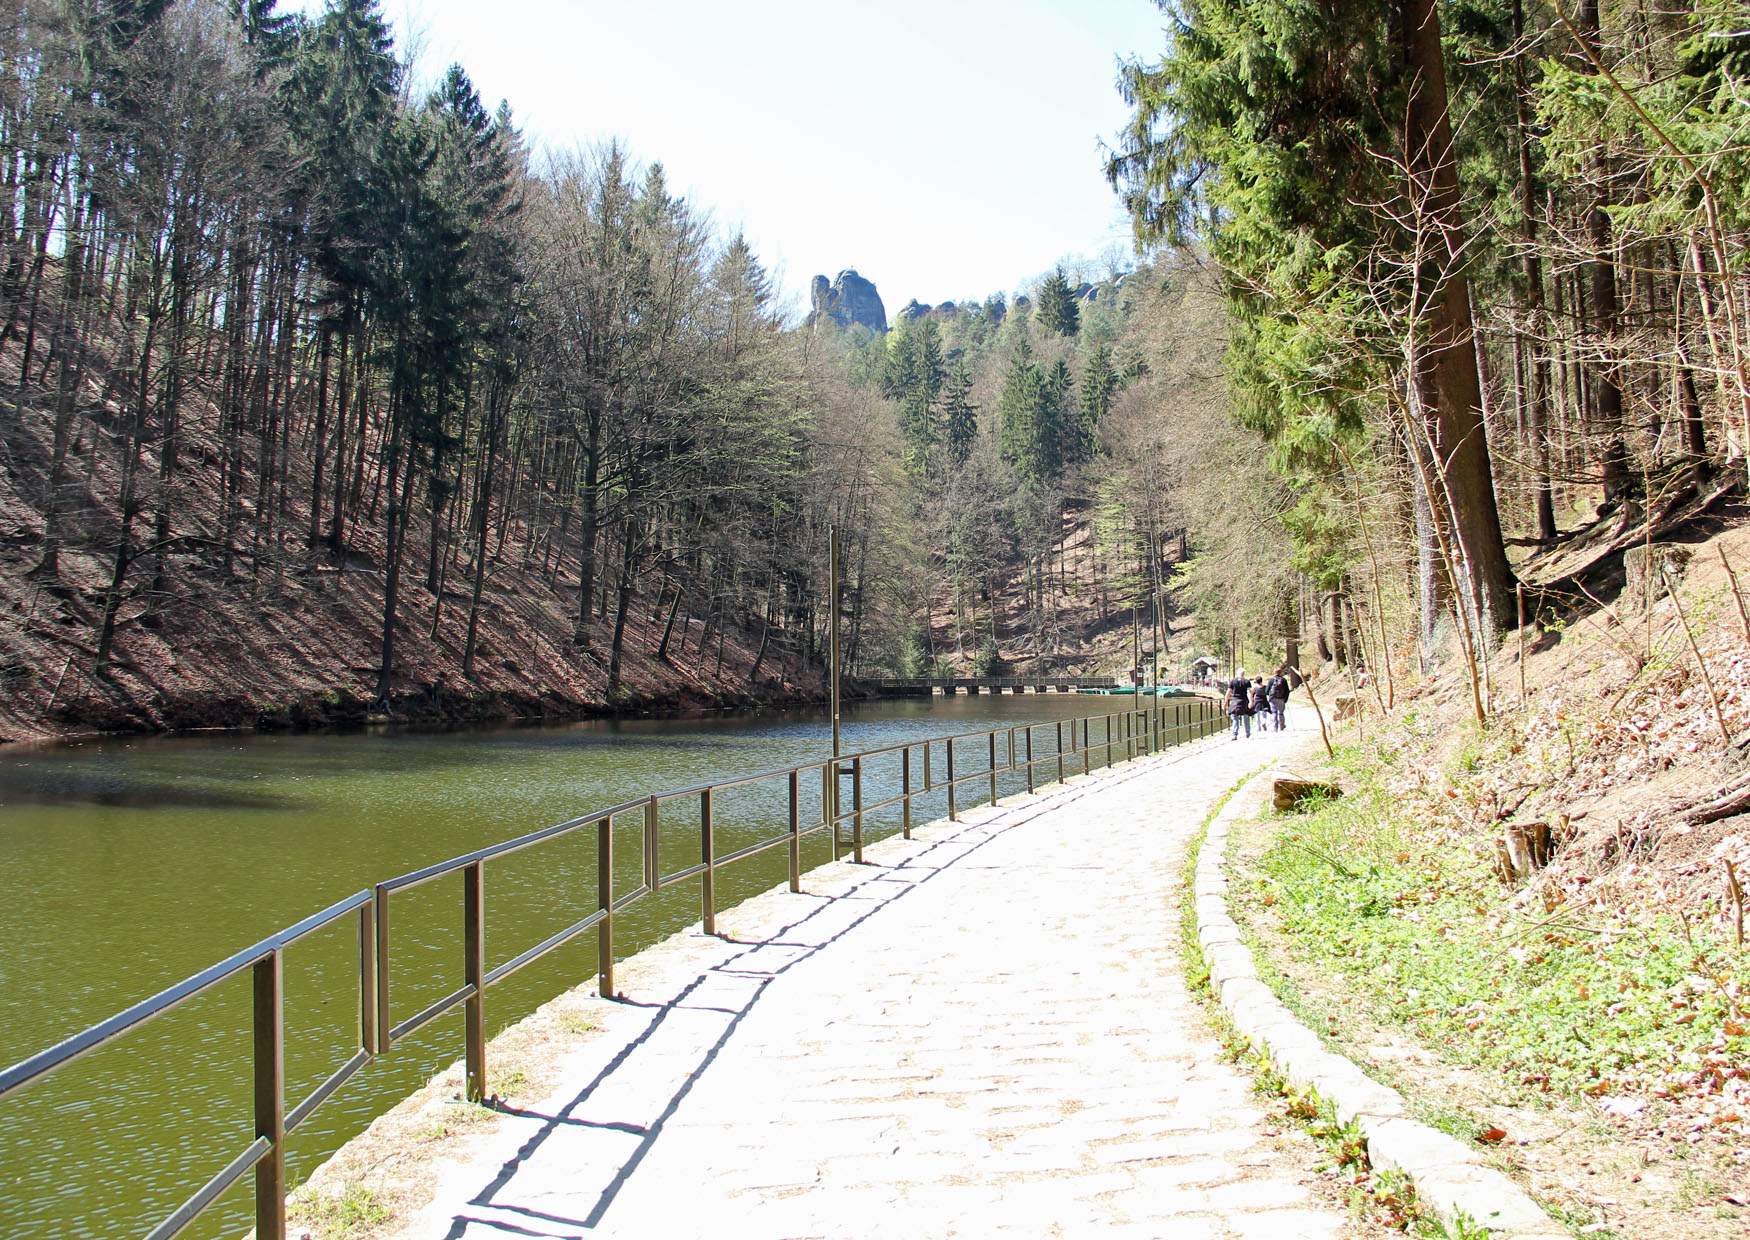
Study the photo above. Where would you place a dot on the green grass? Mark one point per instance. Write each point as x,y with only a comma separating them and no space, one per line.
1416,923
1196,967
1384,1194
355,1211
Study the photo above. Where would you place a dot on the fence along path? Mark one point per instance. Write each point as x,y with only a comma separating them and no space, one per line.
982,1031
633,855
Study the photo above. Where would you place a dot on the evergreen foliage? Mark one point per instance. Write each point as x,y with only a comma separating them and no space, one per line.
1056,310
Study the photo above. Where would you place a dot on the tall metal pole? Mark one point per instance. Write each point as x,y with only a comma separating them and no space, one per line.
832,589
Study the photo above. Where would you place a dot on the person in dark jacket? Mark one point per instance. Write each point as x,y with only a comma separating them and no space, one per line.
1261,703
1279,691
1239,702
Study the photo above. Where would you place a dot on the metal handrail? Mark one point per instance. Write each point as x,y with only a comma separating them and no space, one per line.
1138,731
995,682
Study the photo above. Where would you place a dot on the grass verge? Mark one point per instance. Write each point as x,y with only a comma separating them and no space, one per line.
1386,1197
1559,1000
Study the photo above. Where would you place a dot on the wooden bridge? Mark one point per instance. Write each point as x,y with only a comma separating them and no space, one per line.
927,686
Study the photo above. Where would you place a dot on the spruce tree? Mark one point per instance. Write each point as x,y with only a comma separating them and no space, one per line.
912,375
1056,310
1024,410
1098,386
959,416
1275,129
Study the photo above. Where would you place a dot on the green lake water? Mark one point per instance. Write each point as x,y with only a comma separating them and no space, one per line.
133,863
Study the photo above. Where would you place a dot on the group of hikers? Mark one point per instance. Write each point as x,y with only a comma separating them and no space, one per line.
1267,699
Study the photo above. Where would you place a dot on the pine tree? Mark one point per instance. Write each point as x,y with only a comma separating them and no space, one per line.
1056,310
1098,386
959,416
1024,413
912,375
1264,126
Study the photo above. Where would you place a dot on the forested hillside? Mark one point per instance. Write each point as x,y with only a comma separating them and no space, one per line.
1485,268
1033,465
322,391
327,397
320,383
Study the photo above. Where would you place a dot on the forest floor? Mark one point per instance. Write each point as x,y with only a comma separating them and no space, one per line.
290,637
1589,1024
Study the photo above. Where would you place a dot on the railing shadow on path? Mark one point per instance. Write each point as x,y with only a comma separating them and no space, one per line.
969,837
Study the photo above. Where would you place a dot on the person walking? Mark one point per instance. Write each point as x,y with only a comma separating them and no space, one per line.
1261,703
1279,691
1239,703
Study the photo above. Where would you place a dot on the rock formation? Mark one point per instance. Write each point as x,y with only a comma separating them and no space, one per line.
846,300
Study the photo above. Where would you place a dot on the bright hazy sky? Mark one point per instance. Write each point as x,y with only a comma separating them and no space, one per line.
943,148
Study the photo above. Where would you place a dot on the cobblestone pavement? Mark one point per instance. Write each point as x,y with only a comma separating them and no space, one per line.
981,1032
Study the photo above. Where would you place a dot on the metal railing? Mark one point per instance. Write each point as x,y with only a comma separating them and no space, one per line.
987,682
1007,750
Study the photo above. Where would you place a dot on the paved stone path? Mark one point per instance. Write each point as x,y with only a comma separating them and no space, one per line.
982,1032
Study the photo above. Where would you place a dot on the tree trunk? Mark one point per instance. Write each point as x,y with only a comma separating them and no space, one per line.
1537,361
668,627
319,454
586,531
628,563
1619,479
1447,372
396,527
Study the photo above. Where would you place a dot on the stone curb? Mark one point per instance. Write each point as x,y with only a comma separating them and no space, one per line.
1450,1178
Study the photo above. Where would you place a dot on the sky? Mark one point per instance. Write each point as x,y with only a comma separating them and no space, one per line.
945,149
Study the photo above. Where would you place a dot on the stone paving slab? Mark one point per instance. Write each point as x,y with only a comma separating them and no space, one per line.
980,1032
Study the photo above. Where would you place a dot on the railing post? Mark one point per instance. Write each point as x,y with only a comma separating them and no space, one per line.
905,791
384,1040
795,830
1059,751
270,1096
993,768
857,809
952,808
1011,749
1087,754
474,974
708,854
367,980
929,782
652,858
829,779
604,887
1029,735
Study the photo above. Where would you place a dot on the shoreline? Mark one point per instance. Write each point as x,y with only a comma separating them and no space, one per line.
347,713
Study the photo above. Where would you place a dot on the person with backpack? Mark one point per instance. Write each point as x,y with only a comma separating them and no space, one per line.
1279,691
1261,704
1239,703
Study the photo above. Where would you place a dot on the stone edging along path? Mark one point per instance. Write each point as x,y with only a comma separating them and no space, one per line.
1450,1179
